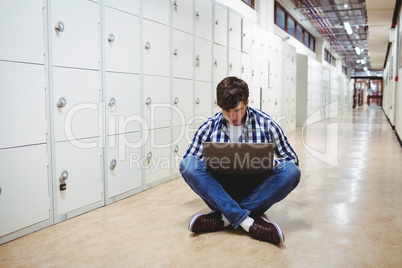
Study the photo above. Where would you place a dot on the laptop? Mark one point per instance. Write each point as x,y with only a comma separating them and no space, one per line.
238,158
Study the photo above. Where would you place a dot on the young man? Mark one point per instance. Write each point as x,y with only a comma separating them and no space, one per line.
235,199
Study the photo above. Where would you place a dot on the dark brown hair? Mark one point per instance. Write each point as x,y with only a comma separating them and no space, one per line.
230,92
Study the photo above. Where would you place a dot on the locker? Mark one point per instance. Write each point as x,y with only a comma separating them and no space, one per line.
255,41
255,71
24,192
22,104
203,100
234,30
121,41
255,97
123,164
234,67
75,103
180,142
221,25
122,103
203,60
156,10
220,63
182,15
157,106
264,40
246,36
82,168
264,72
182,59
157,156
183,104
245,68
203,19
129,6
19,41
156,48
74,26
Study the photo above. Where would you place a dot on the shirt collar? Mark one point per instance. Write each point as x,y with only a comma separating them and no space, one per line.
223,121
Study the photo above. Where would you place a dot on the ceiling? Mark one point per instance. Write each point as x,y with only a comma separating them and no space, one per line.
370,21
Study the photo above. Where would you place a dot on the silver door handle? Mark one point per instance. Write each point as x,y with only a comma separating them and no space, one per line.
62,102
112,102
110,38
59,27
113,164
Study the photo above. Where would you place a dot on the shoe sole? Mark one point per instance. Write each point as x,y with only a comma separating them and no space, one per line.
281,235
191,224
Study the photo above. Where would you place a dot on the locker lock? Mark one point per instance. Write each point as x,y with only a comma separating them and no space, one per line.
176,52
217,22
148,101
197,14
113,164
112,102
216,63
110,38
149,156
231,66
62,179
176,100
252,73
176,3
242,69
59,27
231,28
62,102
176,148
147,45
197,101
197,60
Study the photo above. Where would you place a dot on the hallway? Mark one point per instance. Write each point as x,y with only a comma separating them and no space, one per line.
346,212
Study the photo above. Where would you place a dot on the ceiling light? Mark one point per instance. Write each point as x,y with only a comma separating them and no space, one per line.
358,61
347,27
358,51
365,68
345,5
363,62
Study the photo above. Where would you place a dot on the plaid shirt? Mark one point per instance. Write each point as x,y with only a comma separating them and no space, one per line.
258,128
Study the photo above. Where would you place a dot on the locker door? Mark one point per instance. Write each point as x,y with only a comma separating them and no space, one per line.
264,40
121,41
24,195
75,42
180,144
78,116
203,99
123,164
182,60
245,68
84,181
203,60
158,158
220,63
129,6
234,30
19,41
156,48
255,97
234,63
255,41
221,25
157,102
182,15
203,19
246,36
182,93
22,104
264,70
156,10
255,71
122,103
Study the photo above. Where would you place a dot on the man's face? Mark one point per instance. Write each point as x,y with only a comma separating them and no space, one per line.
235,116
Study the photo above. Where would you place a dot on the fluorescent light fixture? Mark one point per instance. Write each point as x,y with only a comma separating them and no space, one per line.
347,27
365,68
363,62
358,61
345,5
358,51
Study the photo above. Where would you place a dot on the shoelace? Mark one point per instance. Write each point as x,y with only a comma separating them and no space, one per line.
209,225
264,234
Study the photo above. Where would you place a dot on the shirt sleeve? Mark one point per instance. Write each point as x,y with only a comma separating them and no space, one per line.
283,149
202,135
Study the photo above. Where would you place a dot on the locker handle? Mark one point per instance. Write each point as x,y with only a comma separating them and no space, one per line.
63,176
176,52
242,69
216,63
252,73
176,3
148,101
215,102
148,45
113,164
149,155
176,100
231,66
59,27
112,102
62,102
176,148
197,60
110,38
197,101
217,22
197,14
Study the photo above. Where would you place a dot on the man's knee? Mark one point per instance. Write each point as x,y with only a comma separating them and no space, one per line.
188,164
291,173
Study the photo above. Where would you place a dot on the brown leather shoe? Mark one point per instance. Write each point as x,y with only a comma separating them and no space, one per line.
264,230
202,223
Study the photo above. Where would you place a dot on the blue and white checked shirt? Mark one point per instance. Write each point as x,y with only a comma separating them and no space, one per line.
258,128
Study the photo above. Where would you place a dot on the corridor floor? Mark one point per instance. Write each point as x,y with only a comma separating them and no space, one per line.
346,212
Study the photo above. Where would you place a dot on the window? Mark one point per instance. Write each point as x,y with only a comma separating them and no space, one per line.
249,2
291,26
280,17
329,58
284,20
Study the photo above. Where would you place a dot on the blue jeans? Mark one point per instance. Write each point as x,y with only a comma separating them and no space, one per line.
237,203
